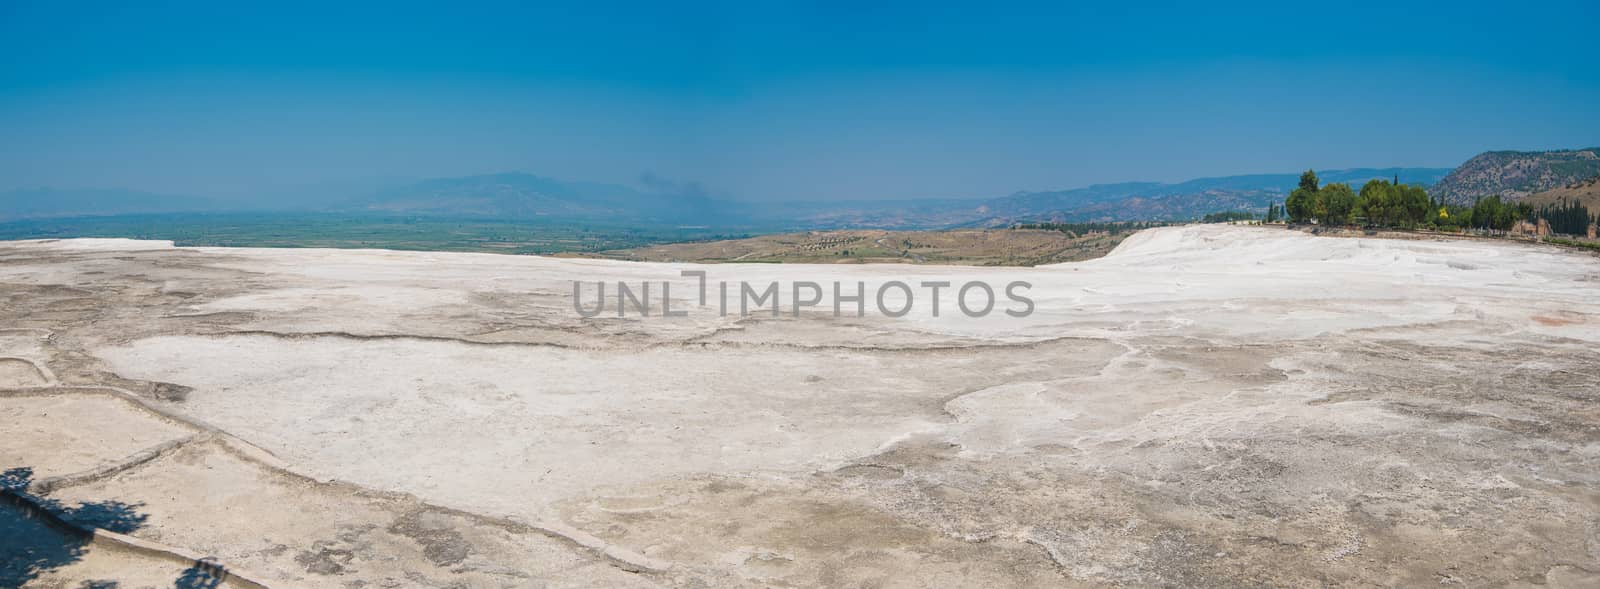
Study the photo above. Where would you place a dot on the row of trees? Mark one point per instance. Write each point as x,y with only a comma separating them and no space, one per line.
1380,202
1488,213
1392,204
1228,216
1568,217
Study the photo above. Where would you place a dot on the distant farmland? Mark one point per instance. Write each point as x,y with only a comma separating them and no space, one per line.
361,231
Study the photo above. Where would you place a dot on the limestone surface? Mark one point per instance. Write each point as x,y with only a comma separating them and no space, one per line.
1208,405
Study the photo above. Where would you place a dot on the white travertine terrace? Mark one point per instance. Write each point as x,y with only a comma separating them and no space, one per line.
1208,404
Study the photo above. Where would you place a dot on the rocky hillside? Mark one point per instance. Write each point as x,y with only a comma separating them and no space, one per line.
1516,174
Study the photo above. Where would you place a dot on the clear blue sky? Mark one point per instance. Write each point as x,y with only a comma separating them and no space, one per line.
777,100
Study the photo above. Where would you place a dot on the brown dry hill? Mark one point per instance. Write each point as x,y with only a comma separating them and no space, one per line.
1586,193
989,247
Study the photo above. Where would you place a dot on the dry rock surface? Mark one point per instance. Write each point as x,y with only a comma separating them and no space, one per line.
1207,406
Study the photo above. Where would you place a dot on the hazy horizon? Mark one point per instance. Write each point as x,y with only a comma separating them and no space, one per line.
357,189
783,102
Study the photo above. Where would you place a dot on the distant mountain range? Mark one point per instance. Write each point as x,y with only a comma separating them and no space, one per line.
531,197
527,196
33,203
1517,174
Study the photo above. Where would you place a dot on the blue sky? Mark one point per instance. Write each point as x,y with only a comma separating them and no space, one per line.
772,100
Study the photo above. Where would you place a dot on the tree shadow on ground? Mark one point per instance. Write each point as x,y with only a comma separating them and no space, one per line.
32,543
200,576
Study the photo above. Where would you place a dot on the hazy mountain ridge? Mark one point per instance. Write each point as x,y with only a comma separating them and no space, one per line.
518,196
1126,201
1516,174
513,196
877,214
33,203
527,196
1153,208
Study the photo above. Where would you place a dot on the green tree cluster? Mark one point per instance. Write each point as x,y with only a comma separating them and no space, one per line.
1392,204
1301,205
1395,205
1334,204
1380,202
1493,213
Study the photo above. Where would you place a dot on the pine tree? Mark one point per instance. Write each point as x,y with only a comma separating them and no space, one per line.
1308,181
